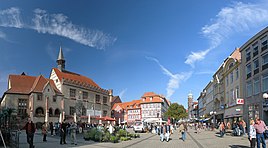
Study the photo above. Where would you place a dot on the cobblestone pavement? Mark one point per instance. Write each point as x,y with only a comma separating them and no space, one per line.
204,139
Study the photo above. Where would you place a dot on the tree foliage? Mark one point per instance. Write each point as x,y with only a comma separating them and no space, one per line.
176,111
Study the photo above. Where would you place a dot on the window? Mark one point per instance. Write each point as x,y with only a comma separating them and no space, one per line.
237,92
22,107
104,113
265,82
85,95
227,81
151,98
57,80
264,43
48,90
72,110
97,99
232,77
248,70
72,93
255,49
231,65
40,97
57,112
264,61
237,73
39,111
256,86
248,56
50,112
249,89
54,98
104,100
256,66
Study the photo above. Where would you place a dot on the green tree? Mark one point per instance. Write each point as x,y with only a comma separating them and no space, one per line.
176,111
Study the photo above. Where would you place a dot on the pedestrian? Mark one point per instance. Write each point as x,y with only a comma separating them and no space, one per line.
44,132
244,125
73,128
222,129
260,128
162,132
182,130
167,133
30,130
63,131
252,134
51,127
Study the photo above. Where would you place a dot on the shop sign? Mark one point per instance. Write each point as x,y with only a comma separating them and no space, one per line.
239,101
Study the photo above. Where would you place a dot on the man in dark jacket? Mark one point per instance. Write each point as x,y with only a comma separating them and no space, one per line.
63,131
30,130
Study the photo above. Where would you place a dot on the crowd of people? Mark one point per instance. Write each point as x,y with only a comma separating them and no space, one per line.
256,130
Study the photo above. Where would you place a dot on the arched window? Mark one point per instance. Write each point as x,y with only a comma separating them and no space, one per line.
57,112
50,112
39,111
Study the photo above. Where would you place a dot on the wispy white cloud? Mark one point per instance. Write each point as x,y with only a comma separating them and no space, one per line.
122,93
236,18
174,79
56,24
11,18
196,56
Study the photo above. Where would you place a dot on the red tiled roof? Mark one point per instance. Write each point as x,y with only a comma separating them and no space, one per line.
20,84
24,84
149,94
155,98
74,77
126,105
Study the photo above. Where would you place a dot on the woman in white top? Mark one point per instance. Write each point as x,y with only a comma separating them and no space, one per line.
252,134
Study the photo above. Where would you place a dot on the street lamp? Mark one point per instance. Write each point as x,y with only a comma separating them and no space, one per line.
213,113
265,96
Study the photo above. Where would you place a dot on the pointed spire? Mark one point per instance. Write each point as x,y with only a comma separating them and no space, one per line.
61,61
60,57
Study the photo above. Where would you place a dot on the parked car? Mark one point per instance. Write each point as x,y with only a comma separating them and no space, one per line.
139,126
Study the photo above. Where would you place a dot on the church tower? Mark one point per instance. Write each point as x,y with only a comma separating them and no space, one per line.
61,61
190,103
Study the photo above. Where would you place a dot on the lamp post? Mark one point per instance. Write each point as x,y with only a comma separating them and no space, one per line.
265,96
213,113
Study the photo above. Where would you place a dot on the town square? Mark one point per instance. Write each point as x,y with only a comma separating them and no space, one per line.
118,74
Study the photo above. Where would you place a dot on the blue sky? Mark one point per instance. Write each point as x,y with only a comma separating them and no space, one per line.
169,47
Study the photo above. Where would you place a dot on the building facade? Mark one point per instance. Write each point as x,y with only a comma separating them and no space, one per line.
232,75
255,76
35,97
153,106
81,94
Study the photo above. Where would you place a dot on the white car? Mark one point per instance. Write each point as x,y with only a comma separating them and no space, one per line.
139,126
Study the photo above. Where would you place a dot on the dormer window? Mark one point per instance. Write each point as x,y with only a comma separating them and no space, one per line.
151,98
143,99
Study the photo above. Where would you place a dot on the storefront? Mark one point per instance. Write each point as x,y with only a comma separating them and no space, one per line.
234,113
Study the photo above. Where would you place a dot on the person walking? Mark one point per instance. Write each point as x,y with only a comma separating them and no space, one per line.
44,131
51,128
252,134
260,128
167,134
73,129
162,132
30,130
222,129
63,131
182,130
